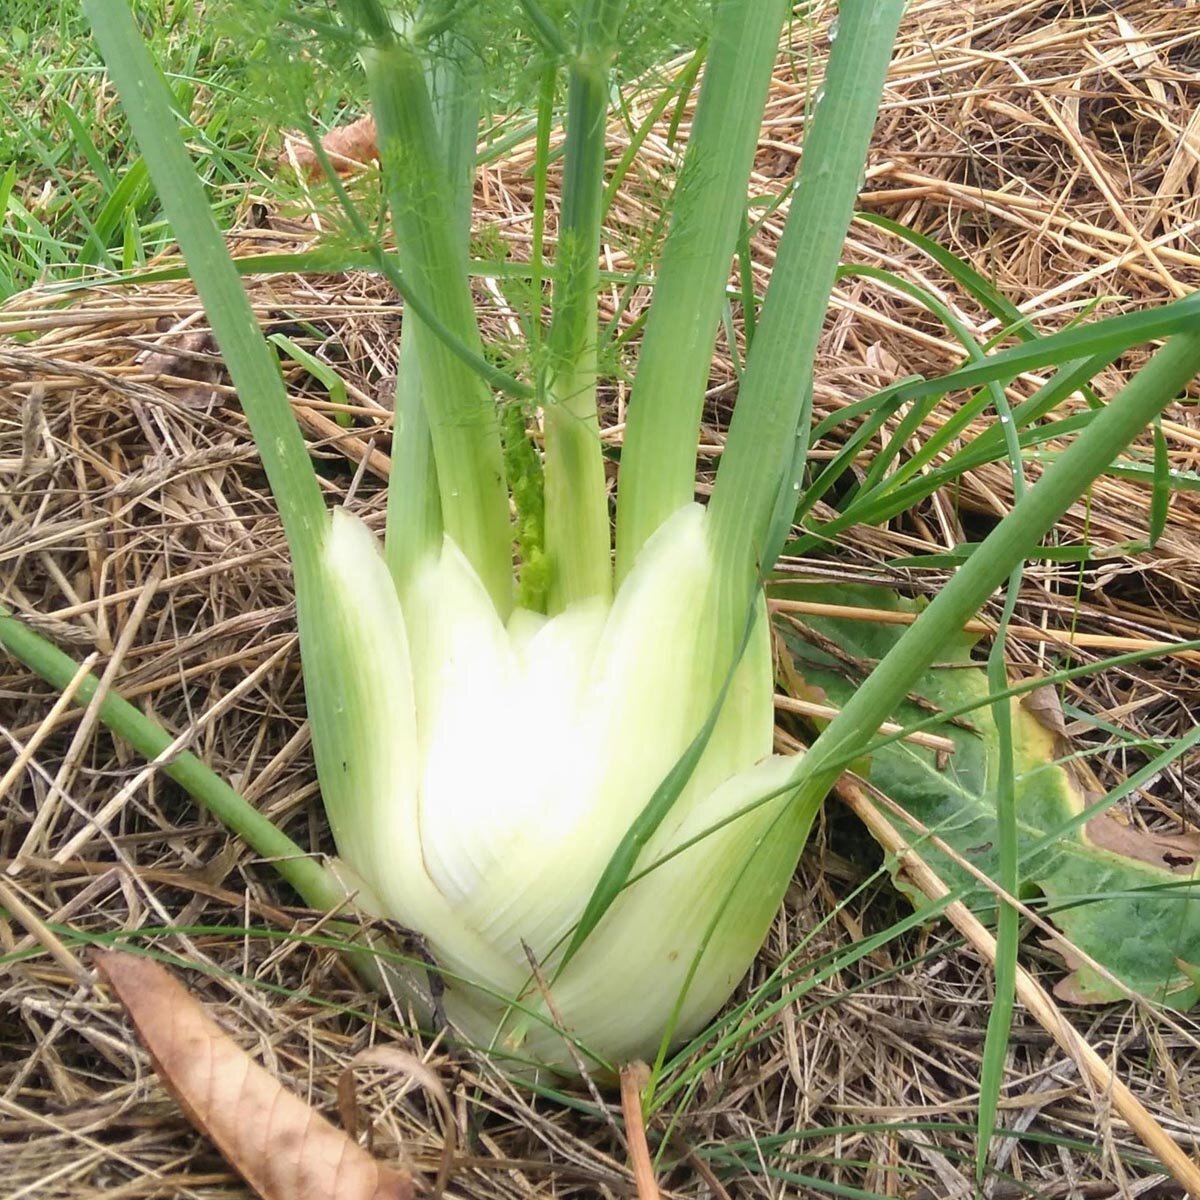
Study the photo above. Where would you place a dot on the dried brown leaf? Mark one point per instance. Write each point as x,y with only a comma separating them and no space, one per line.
1045,707
1174,852
350,148
186,354
277,1143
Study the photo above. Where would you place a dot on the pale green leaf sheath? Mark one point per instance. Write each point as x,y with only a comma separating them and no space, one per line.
421,718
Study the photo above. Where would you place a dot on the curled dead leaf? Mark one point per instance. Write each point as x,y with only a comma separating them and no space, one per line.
351,148
282,1148
186,354
1045,707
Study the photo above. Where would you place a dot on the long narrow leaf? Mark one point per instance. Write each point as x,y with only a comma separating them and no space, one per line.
463,422
578,541
772,405
1130,411
1109,338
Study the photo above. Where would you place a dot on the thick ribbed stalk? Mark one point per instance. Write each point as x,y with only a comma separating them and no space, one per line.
578,541
658,457
252,364
414,516
786,337
460,408
771,400
414,505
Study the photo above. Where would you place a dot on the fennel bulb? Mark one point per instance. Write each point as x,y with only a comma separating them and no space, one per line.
482,769
479,773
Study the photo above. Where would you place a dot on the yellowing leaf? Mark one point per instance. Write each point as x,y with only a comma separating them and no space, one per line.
1127,898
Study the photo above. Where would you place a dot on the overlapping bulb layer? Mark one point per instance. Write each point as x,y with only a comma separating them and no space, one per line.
478,775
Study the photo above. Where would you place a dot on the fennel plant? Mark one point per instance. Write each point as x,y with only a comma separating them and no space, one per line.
638,856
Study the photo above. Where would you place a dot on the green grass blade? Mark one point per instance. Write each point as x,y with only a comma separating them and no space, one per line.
988,441
312,882
995,1050
321,371
916,415
86,146
957,268
1109,338
122,201
7,277
1160,495
1017,324
837,466
49,161
1145,473
900,491
6,186
1056,678
749,299
680,88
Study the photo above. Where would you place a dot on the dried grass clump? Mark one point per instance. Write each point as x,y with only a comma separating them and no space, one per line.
1056,146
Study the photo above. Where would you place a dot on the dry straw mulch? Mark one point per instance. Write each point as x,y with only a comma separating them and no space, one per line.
1055,145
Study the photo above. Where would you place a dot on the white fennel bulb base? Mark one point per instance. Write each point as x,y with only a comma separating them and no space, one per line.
478,776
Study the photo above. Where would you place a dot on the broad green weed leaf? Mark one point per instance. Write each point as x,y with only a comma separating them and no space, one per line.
1127,898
